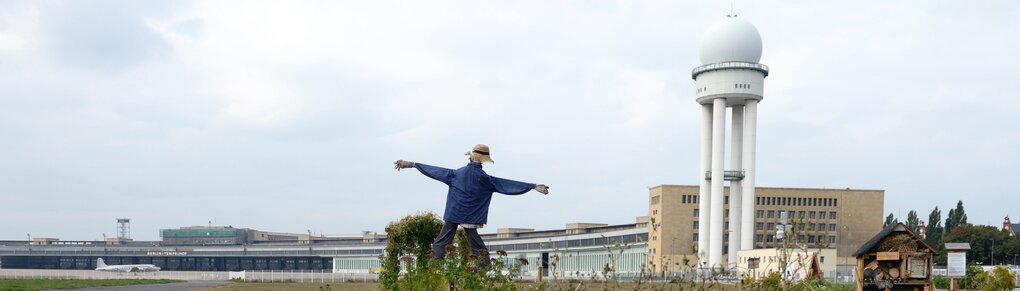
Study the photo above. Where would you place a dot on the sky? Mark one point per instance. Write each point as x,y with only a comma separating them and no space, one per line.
286,116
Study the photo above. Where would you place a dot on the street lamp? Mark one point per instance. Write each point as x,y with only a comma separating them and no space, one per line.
782,232
991,251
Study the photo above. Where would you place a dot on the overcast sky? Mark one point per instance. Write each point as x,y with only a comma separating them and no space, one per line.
286,116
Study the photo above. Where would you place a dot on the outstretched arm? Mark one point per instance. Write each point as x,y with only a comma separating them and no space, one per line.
511,187
440,174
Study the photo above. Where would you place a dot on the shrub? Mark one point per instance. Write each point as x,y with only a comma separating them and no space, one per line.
998,279
973,278
409,245
413,236
940,282
770,282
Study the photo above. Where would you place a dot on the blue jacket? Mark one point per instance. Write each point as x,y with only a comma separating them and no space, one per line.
471,190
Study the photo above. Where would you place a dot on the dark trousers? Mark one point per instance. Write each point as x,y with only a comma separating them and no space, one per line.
447,235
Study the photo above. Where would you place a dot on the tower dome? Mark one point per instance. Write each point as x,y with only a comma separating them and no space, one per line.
731,40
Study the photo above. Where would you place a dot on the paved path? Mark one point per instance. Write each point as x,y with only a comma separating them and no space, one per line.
190,285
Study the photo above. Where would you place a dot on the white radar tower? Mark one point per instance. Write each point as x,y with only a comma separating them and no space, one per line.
729,76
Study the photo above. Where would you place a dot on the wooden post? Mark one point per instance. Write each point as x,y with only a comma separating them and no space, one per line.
859,274
952,284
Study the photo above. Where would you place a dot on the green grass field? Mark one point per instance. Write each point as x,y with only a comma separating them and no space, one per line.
47,284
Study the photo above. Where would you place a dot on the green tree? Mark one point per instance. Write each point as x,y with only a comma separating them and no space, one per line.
956,217
933,231
912,221
890,220
934,234
980,238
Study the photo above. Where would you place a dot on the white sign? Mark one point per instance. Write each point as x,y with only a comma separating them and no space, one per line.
957,265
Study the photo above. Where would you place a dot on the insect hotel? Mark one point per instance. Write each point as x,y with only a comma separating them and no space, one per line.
895,259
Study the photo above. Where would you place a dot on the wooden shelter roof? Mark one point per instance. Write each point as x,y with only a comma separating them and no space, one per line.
871,244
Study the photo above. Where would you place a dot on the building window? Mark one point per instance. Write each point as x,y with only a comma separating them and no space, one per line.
695,238
761,213
821,227
759,238
832,215
726,213
832,239
800,226
759,226
770,226
726,200
772,214
835,203
811,239
695,225
811,215
800,214
768,238
695,212
832,227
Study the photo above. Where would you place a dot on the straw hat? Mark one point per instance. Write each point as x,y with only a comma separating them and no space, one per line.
481,152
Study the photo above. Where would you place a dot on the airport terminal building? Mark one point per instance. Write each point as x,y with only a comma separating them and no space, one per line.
581,248
833,219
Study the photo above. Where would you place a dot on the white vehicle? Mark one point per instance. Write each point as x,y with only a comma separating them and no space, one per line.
102,266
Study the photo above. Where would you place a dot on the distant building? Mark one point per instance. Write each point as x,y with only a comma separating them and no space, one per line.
1010,227
207,235
579,250
829,218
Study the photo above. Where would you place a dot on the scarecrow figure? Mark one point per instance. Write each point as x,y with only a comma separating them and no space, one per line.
467,201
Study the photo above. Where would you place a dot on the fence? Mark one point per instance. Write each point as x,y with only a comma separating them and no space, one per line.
308,276
305,276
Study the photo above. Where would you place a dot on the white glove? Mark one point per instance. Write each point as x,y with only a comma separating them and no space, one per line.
402,164
542,188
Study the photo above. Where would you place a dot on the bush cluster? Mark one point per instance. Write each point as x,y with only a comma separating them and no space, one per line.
976,279
410,264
